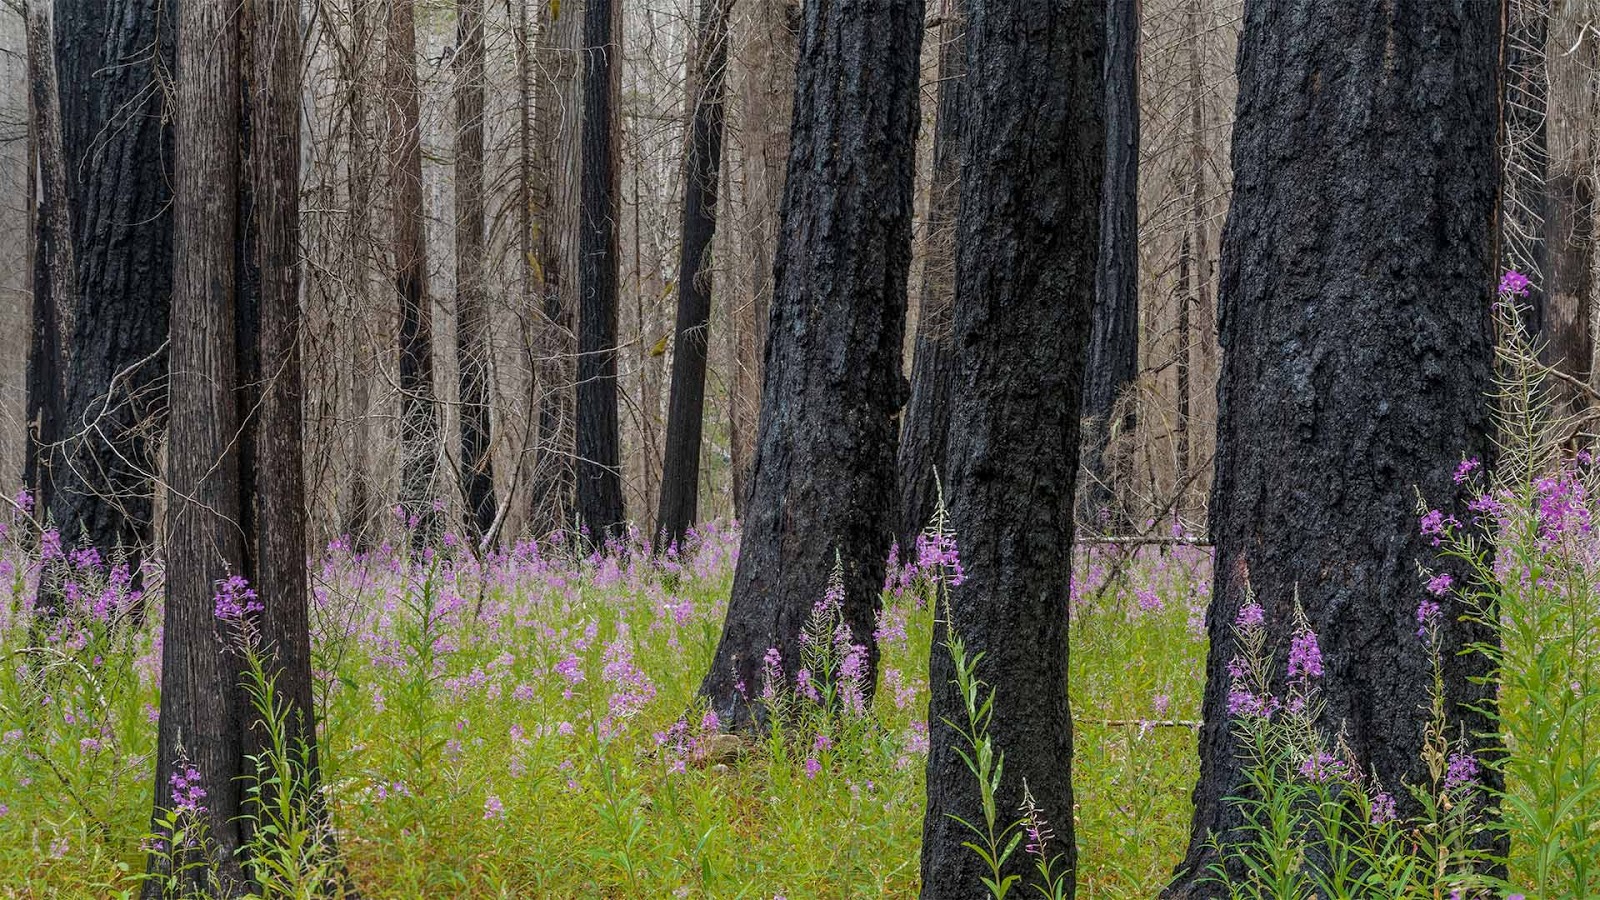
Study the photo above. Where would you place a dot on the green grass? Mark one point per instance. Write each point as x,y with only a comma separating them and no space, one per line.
464,755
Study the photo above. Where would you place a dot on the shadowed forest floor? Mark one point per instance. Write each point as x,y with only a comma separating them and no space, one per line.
512,729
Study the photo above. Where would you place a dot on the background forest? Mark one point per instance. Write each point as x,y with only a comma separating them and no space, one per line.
667,448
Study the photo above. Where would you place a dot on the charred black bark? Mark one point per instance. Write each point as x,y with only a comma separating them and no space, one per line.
1356,280
702,166
201,705
54,276
823,479
926,423
1114,342
1034,149
599,453
118,156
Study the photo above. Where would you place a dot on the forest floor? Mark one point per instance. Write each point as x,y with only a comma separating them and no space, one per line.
518,728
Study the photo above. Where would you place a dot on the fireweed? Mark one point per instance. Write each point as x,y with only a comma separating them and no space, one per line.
506,723
1527,543
1314,823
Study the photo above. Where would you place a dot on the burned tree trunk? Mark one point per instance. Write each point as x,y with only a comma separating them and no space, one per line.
1355,324
273,485
702,167
823,480
118,154
1114,341
599,436
551,198
476,469
54,276
201,714
419,413
1027,238
926,423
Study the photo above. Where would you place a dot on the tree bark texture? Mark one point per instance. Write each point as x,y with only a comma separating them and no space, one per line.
1028,235
599,474
54,276
926,423
702,168
1356,286
201,711
558,103
118,154
275,486
823,479
1114,341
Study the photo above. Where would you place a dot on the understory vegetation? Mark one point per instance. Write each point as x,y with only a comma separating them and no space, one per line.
526,725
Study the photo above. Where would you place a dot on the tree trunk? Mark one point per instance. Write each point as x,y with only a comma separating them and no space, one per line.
823,479
599,453
702,171
1356,335
274,484
54,276
557,107
1034,141
116,144
201,711
767,80
1114,341
472,314
926,424
419,413
360,507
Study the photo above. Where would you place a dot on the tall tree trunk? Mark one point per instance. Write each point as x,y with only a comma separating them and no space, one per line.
926,424
274,484
1356,332
823,480
116,145
360,507
1028,235
557,107
599,452
1574,110
419,414
201,713
1114,341
472,313
702,171
54,276
767,84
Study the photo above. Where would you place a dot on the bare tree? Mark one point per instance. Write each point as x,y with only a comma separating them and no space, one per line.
472,314
824,469
600,504
680,478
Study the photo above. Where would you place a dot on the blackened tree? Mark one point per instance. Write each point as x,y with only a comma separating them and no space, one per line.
476,467
201,714
702,166
599,473
117,146
926,422
823,477
1033,145
1357,338
1114,340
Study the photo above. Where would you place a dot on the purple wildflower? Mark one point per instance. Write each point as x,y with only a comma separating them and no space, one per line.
1383,809
1514,283
1465,469
1305,656
1250,617
1462,771
1440,584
